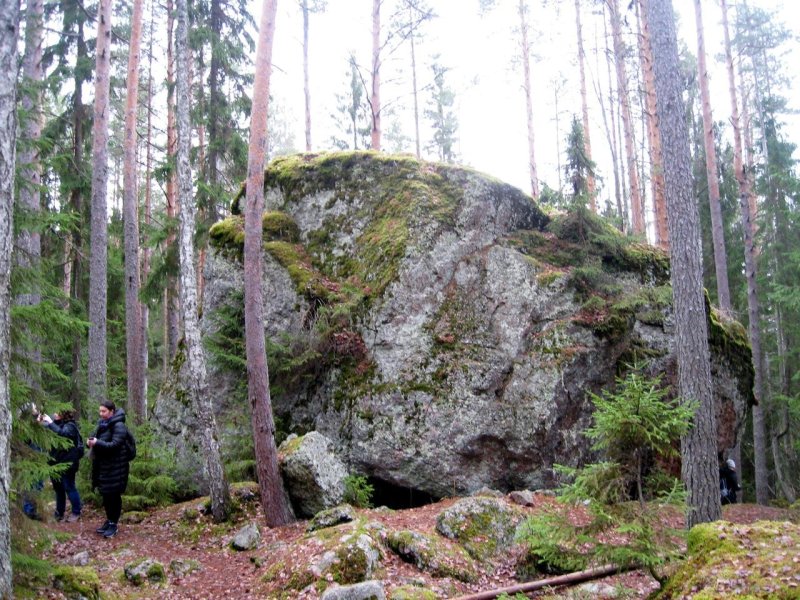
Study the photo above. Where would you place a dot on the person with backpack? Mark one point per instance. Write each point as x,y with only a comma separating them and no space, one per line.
110,463
728,482
63,424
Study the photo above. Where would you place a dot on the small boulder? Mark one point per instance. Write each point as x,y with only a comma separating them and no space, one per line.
81,559
484,526
412,592
366,590
433,555
145,570
313,475
344,513
181,567
247,538
523,498
357,558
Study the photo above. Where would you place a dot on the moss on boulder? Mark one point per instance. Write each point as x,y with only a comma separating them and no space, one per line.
437,557
484,526
77,582
728,560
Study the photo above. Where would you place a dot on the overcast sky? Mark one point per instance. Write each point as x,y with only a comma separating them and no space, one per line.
480,51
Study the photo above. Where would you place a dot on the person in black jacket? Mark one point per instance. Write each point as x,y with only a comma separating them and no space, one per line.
64,425
728,482
110,464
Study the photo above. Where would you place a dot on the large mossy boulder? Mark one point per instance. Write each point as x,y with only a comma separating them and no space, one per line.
728,560
438,326
313,475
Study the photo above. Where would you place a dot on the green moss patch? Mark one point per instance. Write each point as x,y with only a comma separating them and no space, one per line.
77,582
728,560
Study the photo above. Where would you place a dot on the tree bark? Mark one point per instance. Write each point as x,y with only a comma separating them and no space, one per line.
273,498
718,237
654,140
375,98
130,208
306,88
98,261
526,73
29,247
699,469
587,143
414,84
195,359
171,299
637,214
9,25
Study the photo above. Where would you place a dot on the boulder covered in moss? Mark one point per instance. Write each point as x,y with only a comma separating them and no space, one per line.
435,556
77,582
344,513
145,570
485,526
727,560
438,327
313,475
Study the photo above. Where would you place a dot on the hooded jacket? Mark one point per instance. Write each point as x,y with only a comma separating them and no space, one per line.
110,466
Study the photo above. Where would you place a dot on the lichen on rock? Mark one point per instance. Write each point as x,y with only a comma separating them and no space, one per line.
485,526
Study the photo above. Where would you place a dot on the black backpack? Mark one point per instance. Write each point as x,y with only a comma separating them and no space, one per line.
79,449
130,446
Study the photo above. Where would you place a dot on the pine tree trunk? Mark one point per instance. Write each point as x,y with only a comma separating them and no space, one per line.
148,202
375,98
306,88
699,468
587,144
415,90
637,213
98,260
195,359
273,498
133,309
171,299
29,247
9,25
526,73
720,254
654,140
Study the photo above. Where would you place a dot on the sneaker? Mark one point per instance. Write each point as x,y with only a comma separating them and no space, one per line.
110,531
73,517
102,529
58,516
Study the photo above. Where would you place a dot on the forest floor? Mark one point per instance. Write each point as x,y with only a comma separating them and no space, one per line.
164,535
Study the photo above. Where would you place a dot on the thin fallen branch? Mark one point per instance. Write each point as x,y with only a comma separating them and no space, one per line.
570,578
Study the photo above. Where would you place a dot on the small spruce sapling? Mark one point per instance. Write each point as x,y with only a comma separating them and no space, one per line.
627,495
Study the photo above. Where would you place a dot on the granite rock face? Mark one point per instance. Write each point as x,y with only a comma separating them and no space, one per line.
440,329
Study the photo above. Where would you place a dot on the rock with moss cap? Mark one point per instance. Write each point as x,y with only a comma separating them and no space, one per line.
728,560
442,330
145,570
435,556
485,526
77,582
344,513
312,473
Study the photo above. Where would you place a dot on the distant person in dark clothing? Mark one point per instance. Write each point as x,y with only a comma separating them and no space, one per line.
110,464
728,482
64,425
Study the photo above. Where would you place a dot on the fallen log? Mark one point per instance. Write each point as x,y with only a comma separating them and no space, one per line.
568,579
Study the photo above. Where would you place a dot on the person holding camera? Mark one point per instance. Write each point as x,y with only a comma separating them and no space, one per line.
63,424
110,463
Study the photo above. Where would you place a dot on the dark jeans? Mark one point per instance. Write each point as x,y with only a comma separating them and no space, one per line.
65,486
113,504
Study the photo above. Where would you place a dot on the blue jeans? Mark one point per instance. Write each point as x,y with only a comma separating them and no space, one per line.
65,486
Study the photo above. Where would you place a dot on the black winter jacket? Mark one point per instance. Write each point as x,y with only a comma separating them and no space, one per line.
110,464
69,430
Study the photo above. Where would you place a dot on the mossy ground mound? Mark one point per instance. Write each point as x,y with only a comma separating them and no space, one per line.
729,560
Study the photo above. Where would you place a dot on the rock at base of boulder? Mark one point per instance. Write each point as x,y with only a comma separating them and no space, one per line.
484,526
344,513
366,590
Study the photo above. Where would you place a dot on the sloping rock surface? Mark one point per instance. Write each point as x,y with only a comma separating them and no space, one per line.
438,327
